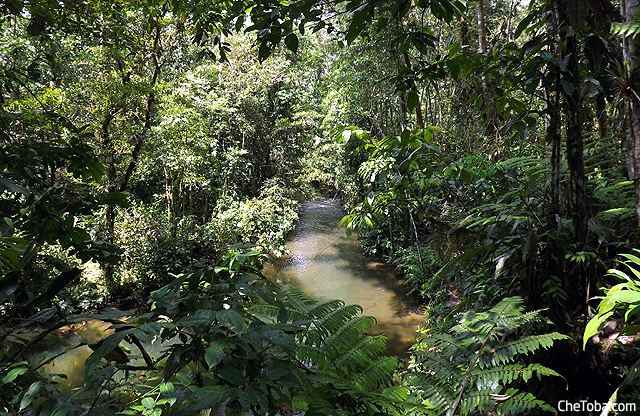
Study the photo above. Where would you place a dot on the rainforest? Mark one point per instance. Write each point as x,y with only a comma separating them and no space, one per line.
319,207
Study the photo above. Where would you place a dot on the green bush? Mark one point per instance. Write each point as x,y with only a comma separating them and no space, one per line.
263,221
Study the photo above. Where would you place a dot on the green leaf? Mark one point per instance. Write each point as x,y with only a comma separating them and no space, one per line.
211,396
466,176
524,23
230,374
107,345
568,88
168,392
264,51
148,403
13,374
61,411
357,24
232,317
116,198
291,41
12,186
214,354
593,327
30,394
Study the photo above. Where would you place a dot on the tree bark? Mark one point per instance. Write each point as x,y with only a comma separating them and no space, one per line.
575,143
489,114
110,212
138,139
630,48
554,142
412,84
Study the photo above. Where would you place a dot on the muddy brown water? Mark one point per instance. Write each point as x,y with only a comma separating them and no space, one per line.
325,264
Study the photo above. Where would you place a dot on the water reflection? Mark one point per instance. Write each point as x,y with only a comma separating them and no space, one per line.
325,264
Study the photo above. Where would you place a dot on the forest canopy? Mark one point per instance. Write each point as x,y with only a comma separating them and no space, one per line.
154,154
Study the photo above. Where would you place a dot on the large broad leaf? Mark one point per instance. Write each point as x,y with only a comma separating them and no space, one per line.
291,41
211,396
231,317
230,374
107,345
12,186
30,395
214,354
54,288
594,326
357,24
116,198
13,374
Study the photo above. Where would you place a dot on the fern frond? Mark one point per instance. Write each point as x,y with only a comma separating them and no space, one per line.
503,375
439,366
348,333
521,162
523,345
360,354
376,373
446,345
323,308
314,397
296,299
479,352
440,396
266,310
314,356
476,400
521,402
508,307
333,320
396,392
511,322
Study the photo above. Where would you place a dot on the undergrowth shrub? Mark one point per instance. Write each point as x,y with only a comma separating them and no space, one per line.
231,341
418,277
155,248
476,364
263,221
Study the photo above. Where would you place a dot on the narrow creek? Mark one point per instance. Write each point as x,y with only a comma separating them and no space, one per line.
325,264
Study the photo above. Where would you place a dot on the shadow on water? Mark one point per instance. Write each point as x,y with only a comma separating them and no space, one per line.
325,264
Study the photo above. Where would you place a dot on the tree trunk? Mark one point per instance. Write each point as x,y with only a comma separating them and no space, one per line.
575,144
110,213
482,33
630,47
412,85
554,141
489,114
464,31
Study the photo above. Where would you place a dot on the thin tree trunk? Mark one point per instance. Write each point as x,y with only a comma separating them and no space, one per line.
575,144
489,115
168,193
553,138
110,213
631,47
554,142
412,84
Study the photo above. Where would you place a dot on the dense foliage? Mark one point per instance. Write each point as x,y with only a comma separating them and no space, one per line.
488,149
